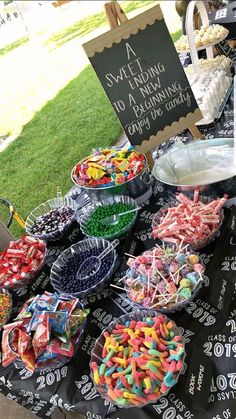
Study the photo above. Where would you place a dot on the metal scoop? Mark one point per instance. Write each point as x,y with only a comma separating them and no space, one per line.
112,220
92,265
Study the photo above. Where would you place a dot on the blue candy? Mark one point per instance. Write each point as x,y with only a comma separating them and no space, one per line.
192,277
180,258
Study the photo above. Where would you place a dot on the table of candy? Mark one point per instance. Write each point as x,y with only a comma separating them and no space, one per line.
198,384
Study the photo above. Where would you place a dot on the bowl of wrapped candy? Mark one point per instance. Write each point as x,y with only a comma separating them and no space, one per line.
103,219
52,218
191,221
137,359
20,262
84,268
165,278
45,334
114,171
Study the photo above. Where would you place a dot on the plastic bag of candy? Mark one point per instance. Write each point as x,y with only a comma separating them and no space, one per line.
45,334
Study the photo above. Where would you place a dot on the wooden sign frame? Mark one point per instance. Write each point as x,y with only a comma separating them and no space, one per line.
123,32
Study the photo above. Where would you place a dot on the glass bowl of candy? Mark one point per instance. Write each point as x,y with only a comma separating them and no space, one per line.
114,171
66,276
51,218
6,306
21,261
194,221
120,371
45,334
165,278
95,221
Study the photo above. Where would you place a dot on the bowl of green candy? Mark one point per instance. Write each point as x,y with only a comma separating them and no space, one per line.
95,222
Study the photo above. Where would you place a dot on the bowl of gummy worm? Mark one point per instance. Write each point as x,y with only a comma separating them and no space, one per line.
193,221
20,261
137,359
52,218
91,221
165,278
45,334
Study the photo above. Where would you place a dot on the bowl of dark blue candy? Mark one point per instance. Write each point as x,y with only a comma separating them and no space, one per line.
64,272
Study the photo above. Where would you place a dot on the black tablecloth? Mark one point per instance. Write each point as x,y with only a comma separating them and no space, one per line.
207,387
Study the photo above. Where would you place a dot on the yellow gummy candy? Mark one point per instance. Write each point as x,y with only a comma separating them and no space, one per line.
120,361
147,383
96,377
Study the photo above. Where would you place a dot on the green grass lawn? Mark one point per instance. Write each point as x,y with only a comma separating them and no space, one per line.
13,45
63,132
88,24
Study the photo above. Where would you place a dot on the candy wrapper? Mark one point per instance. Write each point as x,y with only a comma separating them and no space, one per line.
109,167
10,338
41,336
44,302
25,350
44,338
20,261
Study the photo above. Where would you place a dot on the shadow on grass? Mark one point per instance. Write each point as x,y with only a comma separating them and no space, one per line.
14,45
90,23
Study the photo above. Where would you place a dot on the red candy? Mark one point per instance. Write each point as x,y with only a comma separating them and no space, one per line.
20,261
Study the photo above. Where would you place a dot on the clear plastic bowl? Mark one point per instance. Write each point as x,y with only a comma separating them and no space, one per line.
46,207
96,355
106,202
173,308
198,243
27,281
57,269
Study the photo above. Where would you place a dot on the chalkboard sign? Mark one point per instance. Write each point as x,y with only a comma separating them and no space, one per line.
141,73
224,48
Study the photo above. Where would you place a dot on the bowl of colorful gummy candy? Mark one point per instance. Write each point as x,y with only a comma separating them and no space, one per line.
165,278
45,334
52,218
114,171
137,359
67,277
194,221
93,224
